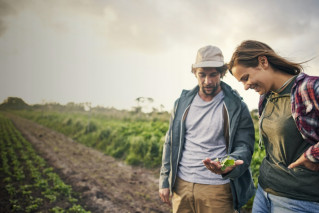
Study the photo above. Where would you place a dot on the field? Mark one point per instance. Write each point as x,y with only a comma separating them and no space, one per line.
103,183
109,159
31,185
137,141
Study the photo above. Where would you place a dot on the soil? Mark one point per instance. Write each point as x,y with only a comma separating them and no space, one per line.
104,183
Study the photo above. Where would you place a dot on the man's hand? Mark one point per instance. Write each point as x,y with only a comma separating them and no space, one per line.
216,167
164,194
303,161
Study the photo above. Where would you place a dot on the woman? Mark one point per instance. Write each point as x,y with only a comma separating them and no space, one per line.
288,126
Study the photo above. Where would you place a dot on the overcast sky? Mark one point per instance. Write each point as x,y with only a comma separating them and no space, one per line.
110,52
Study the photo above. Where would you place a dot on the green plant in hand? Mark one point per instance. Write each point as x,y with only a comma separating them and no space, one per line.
226,162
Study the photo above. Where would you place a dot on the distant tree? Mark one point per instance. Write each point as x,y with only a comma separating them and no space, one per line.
137,109
162,108
14,103
154,110
143,103
140,100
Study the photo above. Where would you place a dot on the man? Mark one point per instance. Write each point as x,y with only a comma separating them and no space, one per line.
211,121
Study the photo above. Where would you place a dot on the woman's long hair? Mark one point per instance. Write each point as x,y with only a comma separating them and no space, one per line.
247,53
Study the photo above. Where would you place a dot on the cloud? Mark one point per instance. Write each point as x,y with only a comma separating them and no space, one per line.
5,10
154,26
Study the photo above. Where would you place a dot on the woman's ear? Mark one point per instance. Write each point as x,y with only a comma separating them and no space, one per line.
263,61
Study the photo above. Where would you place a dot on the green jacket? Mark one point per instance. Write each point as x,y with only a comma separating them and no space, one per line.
241,141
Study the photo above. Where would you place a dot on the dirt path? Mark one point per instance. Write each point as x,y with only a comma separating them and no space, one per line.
106,184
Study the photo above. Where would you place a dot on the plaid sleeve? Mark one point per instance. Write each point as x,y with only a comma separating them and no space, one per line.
313,153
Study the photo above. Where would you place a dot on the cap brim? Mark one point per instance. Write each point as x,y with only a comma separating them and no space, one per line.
208,64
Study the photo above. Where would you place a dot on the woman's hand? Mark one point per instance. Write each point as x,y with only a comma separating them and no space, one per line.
303,161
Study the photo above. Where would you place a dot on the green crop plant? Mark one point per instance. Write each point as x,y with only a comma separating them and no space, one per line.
77,209
225,162
57,209
115,137
29,181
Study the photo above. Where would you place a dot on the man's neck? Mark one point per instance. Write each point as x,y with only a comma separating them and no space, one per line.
208,98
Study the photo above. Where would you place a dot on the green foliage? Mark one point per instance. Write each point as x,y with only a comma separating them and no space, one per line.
136,141
258,156
14,103
28,180
57,210
105,134
226,162
91,127
77,209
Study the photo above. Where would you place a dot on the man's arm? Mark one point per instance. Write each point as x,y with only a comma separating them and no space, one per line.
243,145
164,191
165,169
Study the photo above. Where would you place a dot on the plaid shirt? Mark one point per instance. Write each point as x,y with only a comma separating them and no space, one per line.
305,111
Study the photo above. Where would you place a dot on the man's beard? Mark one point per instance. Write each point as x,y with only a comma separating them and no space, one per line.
214,89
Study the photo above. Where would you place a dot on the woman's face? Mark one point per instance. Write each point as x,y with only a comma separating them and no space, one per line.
253,78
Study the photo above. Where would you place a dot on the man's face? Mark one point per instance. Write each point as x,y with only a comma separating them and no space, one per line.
208,81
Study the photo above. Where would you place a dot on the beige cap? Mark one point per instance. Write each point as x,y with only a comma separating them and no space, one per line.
209,56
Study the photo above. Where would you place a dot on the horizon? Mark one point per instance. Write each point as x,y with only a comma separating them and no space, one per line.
87,106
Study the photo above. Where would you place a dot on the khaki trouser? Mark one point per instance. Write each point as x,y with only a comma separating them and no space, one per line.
201,198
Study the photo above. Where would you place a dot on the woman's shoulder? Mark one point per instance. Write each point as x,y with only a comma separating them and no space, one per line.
305,93
306,84
304,78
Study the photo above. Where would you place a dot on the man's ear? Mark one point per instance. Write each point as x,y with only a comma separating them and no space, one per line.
194,70
263,61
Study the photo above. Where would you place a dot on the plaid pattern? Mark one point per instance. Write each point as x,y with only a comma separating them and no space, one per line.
305,111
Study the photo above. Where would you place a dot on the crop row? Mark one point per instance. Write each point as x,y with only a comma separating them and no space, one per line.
30,183
137,142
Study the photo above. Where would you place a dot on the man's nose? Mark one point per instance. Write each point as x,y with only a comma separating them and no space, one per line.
208,80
